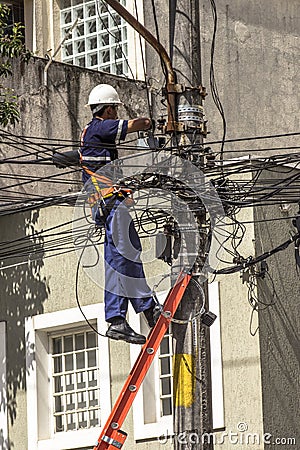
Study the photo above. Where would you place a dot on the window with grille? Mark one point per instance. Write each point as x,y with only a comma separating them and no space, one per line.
165,375
68,378
99,39
153,405
75,381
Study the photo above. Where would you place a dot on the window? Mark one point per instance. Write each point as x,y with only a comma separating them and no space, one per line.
75,381
153,406
99,39
165,374
68,379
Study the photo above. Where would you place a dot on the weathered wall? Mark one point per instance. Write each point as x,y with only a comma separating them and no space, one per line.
23,291
240,356
56,111
279,323
256,65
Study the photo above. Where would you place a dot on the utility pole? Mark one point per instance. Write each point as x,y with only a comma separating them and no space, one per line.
191,364
184,92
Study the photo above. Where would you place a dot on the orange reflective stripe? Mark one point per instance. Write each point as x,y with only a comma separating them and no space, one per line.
83,134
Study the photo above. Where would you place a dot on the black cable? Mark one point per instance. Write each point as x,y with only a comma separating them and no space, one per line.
213,84
144,69
254,138
252,261
76,288
77,143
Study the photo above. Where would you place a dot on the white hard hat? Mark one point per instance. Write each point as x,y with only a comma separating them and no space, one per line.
104,94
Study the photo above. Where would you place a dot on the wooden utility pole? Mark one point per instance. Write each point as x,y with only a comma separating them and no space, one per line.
191,365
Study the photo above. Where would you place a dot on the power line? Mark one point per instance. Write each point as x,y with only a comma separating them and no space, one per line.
213,84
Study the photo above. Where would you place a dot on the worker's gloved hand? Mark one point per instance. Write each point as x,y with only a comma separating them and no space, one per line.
152,125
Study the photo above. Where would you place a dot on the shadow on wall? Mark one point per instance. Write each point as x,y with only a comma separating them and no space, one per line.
279,329
23,290
4,443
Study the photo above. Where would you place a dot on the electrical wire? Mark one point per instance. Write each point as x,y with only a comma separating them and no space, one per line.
255,138
238,194
87,239
252,261
213,83
144,68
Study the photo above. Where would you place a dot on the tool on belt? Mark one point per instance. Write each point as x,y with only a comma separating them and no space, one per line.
103,198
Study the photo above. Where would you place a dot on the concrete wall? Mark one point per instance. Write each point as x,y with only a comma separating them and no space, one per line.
240,357
256,65
279,322
55,111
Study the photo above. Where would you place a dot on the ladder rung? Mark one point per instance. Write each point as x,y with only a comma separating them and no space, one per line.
109,437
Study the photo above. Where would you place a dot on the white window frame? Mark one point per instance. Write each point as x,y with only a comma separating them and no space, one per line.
216,365
41,434
149,430
164,425
132,41
3,385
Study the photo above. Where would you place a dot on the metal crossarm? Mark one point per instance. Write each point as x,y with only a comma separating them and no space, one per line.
111,436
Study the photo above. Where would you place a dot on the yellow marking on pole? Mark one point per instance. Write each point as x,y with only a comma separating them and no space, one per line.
184,379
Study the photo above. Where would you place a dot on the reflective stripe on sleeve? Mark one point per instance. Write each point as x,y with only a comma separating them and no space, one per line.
96,158
120,126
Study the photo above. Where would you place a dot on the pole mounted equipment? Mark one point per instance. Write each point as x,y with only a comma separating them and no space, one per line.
173,89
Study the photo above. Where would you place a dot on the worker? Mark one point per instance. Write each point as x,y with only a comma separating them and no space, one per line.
124,275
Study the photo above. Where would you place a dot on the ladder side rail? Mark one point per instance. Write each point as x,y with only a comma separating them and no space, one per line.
141,366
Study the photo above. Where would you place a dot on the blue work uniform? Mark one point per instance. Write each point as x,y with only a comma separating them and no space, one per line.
124,274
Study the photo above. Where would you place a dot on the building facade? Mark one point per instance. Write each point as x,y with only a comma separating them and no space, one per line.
58,378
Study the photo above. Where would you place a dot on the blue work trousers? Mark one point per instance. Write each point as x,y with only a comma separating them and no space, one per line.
124,274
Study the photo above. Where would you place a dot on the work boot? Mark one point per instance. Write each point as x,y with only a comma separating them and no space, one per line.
152,314
122,331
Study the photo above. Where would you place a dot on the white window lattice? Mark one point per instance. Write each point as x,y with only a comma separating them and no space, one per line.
75,378
165,375
99,40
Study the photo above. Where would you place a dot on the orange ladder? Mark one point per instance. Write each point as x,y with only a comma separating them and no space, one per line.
111,436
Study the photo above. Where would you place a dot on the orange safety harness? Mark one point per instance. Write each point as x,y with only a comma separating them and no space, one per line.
102,194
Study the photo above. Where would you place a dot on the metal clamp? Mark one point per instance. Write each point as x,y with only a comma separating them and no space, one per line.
111,441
